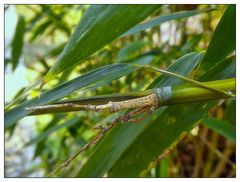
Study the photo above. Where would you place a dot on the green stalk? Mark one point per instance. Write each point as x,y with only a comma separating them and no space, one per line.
178,95
186,93
194,82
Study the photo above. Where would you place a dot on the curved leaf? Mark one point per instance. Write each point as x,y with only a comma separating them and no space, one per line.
41,28
225,67
122,136
165,18
89,80
223,41
159,135
100,25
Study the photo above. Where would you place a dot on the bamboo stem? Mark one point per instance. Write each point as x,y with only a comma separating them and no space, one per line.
184,94
165,95
194,82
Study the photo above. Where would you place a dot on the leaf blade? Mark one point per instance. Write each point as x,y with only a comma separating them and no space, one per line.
221,127
162,19
113,71
90,34
17,42
173,121
223,41
110,149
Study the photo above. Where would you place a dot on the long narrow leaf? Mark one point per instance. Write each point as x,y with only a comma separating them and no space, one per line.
122,136
160,134
99,76
17,42
100,25
223,41
162,19
222,127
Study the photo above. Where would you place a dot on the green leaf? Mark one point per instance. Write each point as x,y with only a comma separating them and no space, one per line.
160,134
100,25
49,131
17,42
129,148
121,136
24,94
164,167
223,41
143,60
95,78
40,29
165,18
221,127
55,51
183,69
228,65
230,112
131,50
40,146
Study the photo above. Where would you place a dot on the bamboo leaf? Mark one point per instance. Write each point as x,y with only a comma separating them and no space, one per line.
165,18
100,25
128,149
164,168
97,77
17,42
223,41
122,136
24,94
159,135
182,69
228,65
131,50
189,80
41,28
221,127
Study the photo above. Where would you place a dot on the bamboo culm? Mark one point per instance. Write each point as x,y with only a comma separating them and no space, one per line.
151,98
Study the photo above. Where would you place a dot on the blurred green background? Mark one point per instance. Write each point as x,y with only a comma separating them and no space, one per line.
36,144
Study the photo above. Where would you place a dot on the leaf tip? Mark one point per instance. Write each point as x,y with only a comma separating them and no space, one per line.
41,87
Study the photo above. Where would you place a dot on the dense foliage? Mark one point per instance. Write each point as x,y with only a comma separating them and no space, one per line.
94,56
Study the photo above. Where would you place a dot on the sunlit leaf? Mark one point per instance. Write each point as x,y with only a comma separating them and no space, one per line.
164,168
40,29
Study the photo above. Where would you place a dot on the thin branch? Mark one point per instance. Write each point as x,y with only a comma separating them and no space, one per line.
145,101
86,146
125,118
